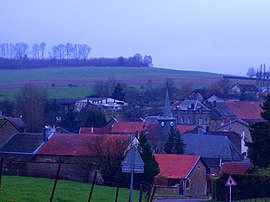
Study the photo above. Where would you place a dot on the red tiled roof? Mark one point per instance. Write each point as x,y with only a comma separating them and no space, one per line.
185,128
176,166
81,144
127,127
245,109
86,130
235,167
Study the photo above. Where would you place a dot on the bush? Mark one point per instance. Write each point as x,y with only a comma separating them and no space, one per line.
248,186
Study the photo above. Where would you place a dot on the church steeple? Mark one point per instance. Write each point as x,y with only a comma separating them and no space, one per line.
167,106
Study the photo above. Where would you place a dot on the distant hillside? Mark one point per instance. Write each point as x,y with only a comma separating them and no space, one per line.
74,79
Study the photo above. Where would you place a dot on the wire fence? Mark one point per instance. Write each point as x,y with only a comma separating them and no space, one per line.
84,172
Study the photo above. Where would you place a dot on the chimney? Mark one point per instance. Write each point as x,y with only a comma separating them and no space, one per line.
45,133
92,129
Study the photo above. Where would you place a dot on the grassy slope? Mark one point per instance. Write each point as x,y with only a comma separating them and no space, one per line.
30,189
8,76
82,78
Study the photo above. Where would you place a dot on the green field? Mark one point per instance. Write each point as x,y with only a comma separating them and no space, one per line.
67,82
30,189
52,74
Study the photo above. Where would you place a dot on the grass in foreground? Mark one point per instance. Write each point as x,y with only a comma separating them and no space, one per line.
29,189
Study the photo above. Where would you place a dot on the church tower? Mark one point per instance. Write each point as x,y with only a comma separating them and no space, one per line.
167,121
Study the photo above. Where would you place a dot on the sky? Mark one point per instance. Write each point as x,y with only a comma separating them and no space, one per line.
220,36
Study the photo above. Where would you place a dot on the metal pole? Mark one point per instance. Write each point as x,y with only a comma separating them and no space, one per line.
132,173
55,182
1,170
92,187
230,193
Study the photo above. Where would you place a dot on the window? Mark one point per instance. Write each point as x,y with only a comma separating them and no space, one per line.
188,120
182,119
188,184
200,120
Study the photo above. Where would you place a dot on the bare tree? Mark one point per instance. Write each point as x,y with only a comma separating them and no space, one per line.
69,50
84,51
251,72
35,51
31,105
42,49
21,50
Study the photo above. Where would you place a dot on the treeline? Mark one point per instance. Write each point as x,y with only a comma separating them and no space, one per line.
20,55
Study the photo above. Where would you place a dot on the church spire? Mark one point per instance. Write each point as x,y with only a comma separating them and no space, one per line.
167,107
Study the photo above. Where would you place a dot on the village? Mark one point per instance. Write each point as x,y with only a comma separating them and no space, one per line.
193,141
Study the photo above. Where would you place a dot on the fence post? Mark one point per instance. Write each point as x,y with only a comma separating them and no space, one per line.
55,182
1,170
153,193
92,187
140,197
117,191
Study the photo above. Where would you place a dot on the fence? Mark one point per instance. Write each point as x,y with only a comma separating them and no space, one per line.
87,173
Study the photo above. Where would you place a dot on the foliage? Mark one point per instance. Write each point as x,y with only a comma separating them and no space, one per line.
151,168
266,108
88,117
7,107
174,143
109,155
248,186
118,93
251,72
259,148
31,105
15,188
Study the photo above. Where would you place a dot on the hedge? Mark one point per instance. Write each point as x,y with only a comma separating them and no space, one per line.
248,186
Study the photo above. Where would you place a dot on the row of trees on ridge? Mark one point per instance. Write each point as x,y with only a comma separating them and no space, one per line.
21,55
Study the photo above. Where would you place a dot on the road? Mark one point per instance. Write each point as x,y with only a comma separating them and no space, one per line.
180,200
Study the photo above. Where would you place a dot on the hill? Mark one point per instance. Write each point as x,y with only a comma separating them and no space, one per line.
77,81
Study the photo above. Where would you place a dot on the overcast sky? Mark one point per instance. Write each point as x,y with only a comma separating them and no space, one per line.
223,36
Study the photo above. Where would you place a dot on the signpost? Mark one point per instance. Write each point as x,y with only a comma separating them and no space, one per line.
229,183
132,163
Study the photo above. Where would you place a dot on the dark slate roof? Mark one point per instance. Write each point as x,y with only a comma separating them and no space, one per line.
213,162
223,110
192,105
234,121
167,106
211,146
248,87
23,142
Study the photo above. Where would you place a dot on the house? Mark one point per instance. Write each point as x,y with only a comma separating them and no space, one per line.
186,128
128,127
246,110
243,88
66,104
238,140
93,130
239,126
7,131
18,123
211,146
198,94
186,172
192,112
220,114
101,103
236,167
79,154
